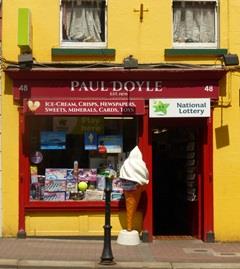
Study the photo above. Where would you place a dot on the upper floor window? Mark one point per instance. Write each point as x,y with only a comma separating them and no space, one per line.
83,23
195,23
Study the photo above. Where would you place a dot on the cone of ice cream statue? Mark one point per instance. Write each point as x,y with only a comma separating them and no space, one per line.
134,176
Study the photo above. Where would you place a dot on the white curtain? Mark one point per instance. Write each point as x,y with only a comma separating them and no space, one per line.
194,22
81,20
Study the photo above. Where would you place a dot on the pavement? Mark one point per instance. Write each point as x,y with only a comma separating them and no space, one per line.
43,253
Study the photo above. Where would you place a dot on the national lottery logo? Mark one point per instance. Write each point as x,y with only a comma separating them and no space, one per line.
160,107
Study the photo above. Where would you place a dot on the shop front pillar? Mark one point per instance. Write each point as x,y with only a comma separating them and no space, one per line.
208,226
22,166
145,145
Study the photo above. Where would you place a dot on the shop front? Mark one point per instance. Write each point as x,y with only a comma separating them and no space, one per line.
75,123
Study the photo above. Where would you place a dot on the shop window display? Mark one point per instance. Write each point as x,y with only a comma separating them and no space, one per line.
69,155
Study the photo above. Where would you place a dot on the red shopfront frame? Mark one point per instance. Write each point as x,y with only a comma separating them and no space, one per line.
119,85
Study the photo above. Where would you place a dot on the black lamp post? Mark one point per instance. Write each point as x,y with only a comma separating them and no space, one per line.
107,256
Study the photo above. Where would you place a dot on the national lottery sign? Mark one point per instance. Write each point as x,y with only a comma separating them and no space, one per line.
179,108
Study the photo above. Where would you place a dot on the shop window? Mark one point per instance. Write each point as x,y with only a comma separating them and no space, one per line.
83,23
195,24
68,156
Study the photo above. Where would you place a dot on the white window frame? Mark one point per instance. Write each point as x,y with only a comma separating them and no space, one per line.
199,45
69,44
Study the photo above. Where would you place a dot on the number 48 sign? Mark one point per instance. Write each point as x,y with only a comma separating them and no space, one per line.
23,88
209,88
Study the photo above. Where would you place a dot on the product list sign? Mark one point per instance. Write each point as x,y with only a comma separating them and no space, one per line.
179,108
84,107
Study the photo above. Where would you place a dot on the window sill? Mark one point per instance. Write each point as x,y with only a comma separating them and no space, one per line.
195,52
72,206
82,52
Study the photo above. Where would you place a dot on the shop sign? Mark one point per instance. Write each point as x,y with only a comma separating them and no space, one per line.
179,108
130,89
84,107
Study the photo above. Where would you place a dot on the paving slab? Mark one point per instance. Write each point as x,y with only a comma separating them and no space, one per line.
206,265
137,265
42,253
8,263
48,264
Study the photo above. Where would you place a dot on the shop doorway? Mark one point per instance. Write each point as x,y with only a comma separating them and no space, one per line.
177,162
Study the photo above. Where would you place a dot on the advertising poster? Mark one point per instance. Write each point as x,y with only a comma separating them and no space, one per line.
53,140
90,141
111,143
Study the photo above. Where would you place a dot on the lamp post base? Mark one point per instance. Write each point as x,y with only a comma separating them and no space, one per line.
107,262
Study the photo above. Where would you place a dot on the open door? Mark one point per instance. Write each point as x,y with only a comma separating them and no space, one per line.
177,169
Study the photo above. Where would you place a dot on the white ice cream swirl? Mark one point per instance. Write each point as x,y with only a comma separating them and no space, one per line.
134,168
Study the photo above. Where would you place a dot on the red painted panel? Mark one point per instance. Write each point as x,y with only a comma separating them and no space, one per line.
145,146
130,89
208,225
73,206
23,173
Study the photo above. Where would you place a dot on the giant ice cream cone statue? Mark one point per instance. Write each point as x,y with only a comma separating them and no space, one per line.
134,175
132,199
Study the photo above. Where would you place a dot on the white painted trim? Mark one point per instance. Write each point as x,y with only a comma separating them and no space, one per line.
96,45
213,45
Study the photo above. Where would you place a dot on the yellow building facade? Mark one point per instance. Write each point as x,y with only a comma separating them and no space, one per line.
144,30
